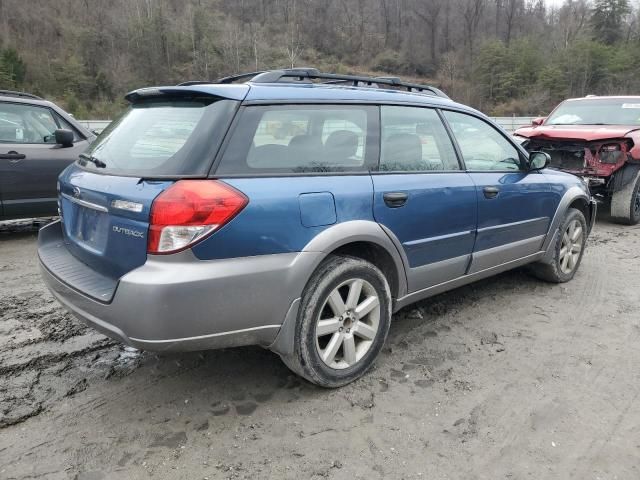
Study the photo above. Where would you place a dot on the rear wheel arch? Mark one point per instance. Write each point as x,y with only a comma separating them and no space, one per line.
361,239
366,240
375,254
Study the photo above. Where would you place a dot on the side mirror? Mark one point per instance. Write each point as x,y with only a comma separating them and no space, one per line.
538,161
64,137
536,122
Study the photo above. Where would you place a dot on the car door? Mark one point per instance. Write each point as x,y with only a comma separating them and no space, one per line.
423,198
515,206
30,160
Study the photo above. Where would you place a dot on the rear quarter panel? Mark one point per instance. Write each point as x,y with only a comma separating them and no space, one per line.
280,218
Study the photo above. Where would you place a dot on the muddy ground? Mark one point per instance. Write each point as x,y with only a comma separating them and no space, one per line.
509,378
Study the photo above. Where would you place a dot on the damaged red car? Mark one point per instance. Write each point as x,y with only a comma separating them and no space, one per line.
598,139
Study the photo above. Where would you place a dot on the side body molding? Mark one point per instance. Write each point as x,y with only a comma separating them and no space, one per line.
545,254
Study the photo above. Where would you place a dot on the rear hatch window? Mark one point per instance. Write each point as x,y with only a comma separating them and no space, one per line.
162,138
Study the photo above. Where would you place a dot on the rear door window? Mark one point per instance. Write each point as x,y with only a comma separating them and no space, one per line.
161,138
302,139
415,140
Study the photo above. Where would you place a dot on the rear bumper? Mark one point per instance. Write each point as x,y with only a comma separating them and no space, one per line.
179,303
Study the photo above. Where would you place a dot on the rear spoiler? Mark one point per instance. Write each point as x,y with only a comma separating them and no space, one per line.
229,92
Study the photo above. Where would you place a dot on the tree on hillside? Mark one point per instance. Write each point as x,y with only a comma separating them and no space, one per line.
429,13
607,19
6,82
13,67
573,17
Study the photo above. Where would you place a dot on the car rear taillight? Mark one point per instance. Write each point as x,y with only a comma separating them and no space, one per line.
189,211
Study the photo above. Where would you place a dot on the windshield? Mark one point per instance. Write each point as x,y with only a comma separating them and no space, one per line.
162,138
619,111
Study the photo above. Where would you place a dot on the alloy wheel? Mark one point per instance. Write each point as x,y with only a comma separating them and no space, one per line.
571,247
348,323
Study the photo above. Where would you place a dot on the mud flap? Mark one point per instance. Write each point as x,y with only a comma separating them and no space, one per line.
283,345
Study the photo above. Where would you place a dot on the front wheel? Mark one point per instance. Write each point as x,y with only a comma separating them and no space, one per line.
625,202
343,322
567,251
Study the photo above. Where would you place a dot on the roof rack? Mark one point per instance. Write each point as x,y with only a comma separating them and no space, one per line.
309,74
303,74
11,93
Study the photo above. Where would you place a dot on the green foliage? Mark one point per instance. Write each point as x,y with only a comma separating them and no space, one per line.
87,57
389,61
12,69
552,79
503,72
6,82
607,20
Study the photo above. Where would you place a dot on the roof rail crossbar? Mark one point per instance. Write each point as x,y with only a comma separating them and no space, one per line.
12,93
302,74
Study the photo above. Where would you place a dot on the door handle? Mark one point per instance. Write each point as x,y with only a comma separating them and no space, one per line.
14,156
490,192
395,199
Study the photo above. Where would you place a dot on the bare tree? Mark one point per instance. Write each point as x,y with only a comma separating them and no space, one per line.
513,9
573,18
293,46
472,11
429,12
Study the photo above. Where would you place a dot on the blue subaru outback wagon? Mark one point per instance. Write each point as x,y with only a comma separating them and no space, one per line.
298,211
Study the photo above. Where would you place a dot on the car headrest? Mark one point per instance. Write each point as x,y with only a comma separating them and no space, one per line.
305,141
341,144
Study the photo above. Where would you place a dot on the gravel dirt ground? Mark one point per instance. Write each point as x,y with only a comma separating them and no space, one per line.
509,378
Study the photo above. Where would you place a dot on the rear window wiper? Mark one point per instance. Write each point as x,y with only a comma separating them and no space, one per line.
96,161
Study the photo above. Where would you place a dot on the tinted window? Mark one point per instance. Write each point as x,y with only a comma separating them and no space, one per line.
163,138
300,139
483,147
414,139
26,124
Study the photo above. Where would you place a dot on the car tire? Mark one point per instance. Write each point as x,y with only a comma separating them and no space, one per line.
343,322
568,250
625,203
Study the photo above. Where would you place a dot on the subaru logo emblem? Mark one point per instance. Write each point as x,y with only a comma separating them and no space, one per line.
76,192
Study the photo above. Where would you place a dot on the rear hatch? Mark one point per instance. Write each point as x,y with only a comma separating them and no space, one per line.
105,219
106,197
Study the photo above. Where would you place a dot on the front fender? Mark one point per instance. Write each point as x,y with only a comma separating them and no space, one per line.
570,196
